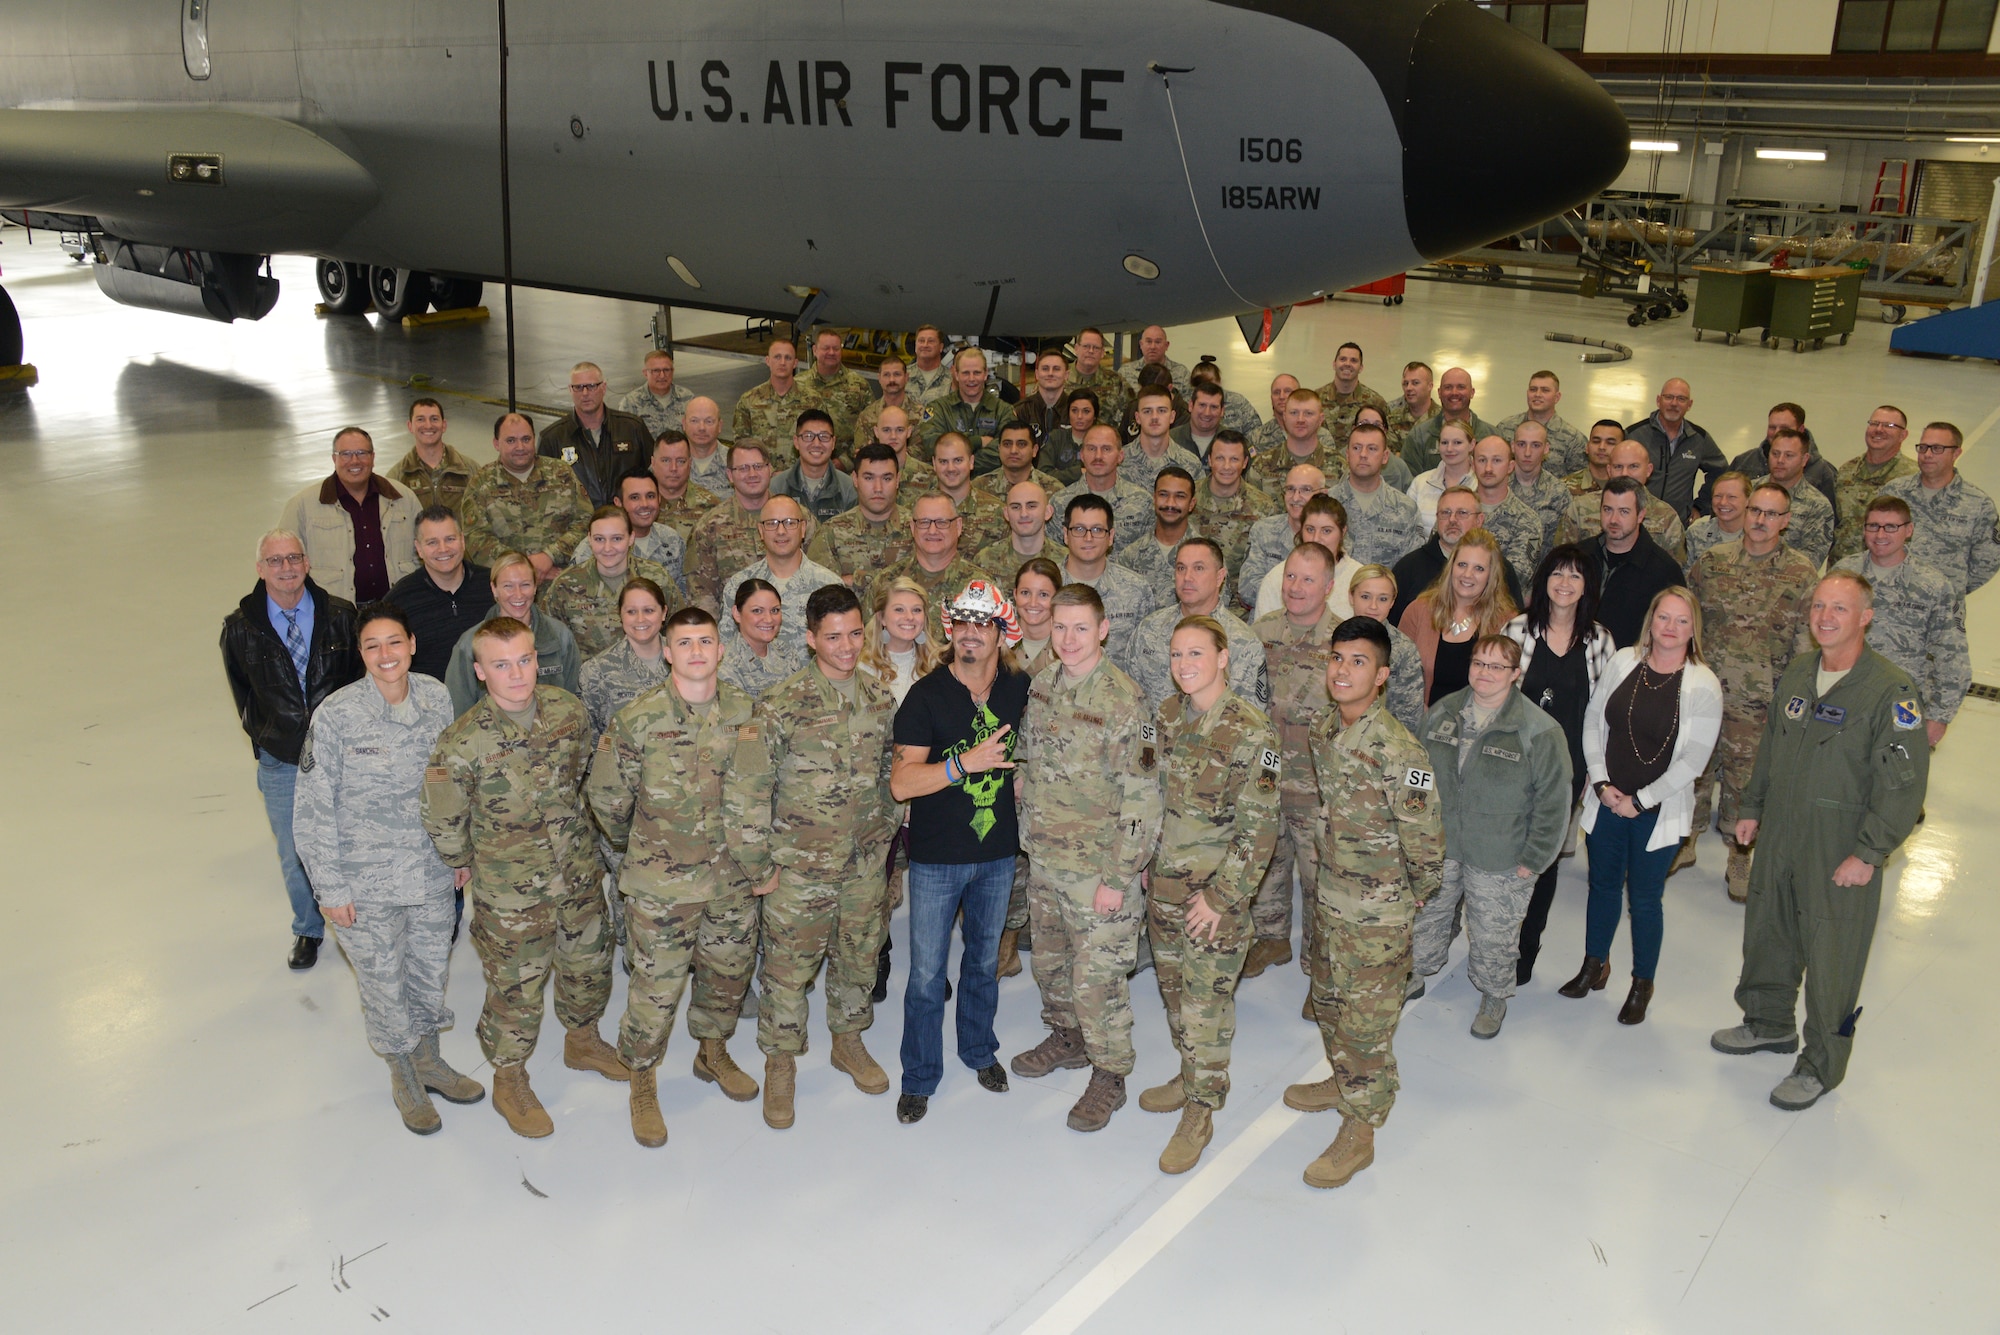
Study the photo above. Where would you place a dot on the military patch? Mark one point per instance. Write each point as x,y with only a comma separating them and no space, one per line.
569,454
1908,716
1825,713
1420,779
306,756
1146,759
1092,719
437,774
747,733
1270,759
1496,751
1795,708
1414,802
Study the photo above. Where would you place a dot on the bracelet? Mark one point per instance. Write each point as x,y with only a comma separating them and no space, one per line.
949,780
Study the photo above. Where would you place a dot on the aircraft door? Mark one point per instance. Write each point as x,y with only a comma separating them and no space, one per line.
194,37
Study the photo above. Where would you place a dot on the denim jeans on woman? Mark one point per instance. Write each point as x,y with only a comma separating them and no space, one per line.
1622,867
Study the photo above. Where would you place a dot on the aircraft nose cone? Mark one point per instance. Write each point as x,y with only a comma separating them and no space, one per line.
1499,132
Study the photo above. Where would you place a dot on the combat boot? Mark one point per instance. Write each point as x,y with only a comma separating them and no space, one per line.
1318,1096
1352,1150
648,1127
1170,1097
1265,952
419,1113
850,1057
1190,1138
438,1077
781,1075
1010,953
1739,874
514,1099
1061,1050
713,1063
1492,1013
1106,1095
584,1049
1683,856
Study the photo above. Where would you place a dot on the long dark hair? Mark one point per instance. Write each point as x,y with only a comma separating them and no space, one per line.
1573,557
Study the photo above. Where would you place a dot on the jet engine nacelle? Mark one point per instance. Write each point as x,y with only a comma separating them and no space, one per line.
209,284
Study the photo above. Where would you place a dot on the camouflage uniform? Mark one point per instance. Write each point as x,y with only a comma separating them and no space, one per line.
660,415
1584,520
1062,456
1229,519
985,520
353,820
1131,510
764,415
1239,414
753,675
1296,660
1271,541
843,397
1270,436
1090,812
560,664
1383,526
443,485
1549,499
508,803
1811,529
546,513
1142,470
1114,396
1704,535
926,386
1153,563
1522,536
1401,421
1856,483
1920,627
1001,556
1420,445
582,599
1753,613
1127,602
1405,694
974,421
1583,481
859,549
1569,449
808,797
1269,468
1957,532
662,545
1248,675
724,541
863,433
996,485
617,677
710,474
1221,798
939,588
793,590
1381,858
1129,373
656,787
1342,409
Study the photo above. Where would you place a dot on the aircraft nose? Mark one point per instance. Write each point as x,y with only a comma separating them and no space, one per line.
1499,132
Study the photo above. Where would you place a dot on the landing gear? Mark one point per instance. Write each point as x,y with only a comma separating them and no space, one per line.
456,294
10,331
399,292
343,288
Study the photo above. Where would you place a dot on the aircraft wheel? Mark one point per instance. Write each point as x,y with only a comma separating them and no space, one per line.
399,292
456,294
10,331
343,288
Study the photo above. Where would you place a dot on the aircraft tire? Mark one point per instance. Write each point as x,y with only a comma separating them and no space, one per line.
10,331
399,292
456,294
343,288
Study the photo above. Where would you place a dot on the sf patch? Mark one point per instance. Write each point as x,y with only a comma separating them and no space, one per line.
1908,716
1795,708
1417,787
1149,737
1267,774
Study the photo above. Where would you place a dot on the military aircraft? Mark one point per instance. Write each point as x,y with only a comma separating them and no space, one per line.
1017,169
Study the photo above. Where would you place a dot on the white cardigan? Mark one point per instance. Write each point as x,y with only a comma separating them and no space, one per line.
1672,792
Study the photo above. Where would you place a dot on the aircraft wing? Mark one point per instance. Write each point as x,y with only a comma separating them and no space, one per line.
199,178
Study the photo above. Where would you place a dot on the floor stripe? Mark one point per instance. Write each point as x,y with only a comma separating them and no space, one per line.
1980,431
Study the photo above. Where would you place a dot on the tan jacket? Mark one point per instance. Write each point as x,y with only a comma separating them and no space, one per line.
327,533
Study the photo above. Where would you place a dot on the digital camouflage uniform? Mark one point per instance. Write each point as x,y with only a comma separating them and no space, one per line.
1127,602
1342,409
725,540
1248,676
1219,773
1519,529
1153,563
354,822
508,803
1957,530
859,549
1585,520
1406,693
1856,483
615,678
443,485
1811,529
1129,373
1381,858
1089,804
1271,541
656,786
753,675
1919,626
1001,556
1270,436
808,798
842,397
764,415
1131,511
1704,535
1143,470
547,512
1401,421
1753,615
1297,658
939,588
1569,448
996,485
660,415
1383,525
1229,519
710,474
585,601
793,591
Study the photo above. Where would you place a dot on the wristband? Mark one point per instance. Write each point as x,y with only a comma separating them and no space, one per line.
947,771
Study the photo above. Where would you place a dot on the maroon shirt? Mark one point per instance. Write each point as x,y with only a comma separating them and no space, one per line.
371,563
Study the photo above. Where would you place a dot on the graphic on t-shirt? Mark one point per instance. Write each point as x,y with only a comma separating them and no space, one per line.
983,789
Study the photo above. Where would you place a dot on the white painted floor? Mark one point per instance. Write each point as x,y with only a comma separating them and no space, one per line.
198,1140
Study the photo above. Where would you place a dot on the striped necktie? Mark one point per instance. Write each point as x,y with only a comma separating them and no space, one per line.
295,644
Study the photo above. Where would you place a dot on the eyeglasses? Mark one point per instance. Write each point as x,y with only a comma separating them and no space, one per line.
1676,398
1937,449
1487,665
1884,528
353,456
778,525
1886,426
1763,513
580,389
1089,530
287,559
935,525
817,437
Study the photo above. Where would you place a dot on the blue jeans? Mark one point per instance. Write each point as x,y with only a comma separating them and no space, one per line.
1621,866
938,890
276,781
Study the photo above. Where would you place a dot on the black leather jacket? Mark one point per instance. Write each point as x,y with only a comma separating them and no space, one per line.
263,680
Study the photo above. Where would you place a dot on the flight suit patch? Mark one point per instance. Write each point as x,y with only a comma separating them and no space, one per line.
1795,708
1908,716
1825,713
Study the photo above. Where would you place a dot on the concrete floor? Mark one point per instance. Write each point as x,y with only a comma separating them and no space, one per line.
199,1140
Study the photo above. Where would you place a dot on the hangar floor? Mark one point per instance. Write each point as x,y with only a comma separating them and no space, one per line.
198,1140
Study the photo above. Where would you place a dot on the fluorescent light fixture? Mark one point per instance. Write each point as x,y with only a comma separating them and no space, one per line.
1656,145
1972,139
1792,154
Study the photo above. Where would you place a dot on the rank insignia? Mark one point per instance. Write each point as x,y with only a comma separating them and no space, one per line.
1795,708
1908,716
1825,713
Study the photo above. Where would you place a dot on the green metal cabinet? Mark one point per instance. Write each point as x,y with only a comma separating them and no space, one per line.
1810,306
1730,299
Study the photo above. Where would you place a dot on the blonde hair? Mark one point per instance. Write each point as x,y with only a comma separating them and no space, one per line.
1369,572
504,560
874,646
1495,607
1686,595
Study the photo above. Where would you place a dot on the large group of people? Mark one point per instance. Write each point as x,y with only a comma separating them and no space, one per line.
1107,670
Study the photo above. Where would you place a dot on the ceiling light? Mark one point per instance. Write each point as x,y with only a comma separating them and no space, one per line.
1792,154
1972,139
1656,145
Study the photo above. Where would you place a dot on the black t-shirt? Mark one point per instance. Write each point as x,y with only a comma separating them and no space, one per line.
972,820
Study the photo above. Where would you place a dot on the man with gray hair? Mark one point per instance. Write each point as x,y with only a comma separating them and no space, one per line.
358,526
599,444
659,403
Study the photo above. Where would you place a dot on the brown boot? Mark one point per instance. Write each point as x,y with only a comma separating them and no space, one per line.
1739,874
1636,1001
585,1050
514,1099
713,1063
407,1088
1010,953
1190,1138
851,1057
1106,1095
1352,1150
648,1127
1318,1096
438,1077
1592,977
1683,857
1170,1097
781,1074
1061,1050
1263,953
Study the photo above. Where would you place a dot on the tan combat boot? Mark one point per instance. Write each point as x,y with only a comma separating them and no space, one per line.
1190,1138
648,1127
713,1063
1318,1096
1352,1150
1170,1097
1010,953
1739,874
1683,856
1265,952
781,1074
440,1078
419,1113
515,1100
585,1050
1105,1095
850,1057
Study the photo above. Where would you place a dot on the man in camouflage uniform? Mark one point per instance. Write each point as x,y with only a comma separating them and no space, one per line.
435,473
1199,575
1381,858
1089,805
1238,413
1344,395
842,392
1729,501
1219,764
1523,539
767,412
972,410
1028,535
1754,595
1017,447
659,403
1274,536
1127,599
860,543
1416,404
1604,437
1152,556
894,377
656,788
1536,485
785,567
982,515
1383,524
935,561
1154,447
1094,373
726,538
1226,506
1455,393
1919,618
1153,347
930,374
1582,521
1301,446
708,453
523,503
503,796
896,428
585,597
1102,455
682,503
1269,436
810,819
1566,444
1863,478
1811,532
1958,530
